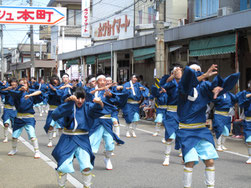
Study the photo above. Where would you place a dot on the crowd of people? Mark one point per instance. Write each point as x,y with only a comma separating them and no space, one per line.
86,114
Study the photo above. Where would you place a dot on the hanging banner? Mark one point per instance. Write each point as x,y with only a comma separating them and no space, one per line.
85,18
33,15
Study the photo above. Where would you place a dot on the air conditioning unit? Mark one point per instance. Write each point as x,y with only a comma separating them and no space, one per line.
182,21
225,11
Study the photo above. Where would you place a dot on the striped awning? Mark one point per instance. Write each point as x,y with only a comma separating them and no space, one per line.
144,53
212,46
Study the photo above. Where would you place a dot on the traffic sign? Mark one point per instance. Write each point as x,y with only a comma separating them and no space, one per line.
32,15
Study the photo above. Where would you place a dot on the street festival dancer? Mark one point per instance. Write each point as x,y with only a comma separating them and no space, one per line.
193,136
115,119
171,120
160,97
78,117
223,117
54,100
9,112
24,99
102,127
135,92
244,100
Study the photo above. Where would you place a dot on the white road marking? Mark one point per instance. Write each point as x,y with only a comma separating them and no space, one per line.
235,153
47,160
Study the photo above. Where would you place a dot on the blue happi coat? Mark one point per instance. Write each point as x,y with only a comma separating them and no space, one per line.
160,100
24,106
171,120
108,110
54,100
9,109
192,104
64,93
133,103
245,103
222,117
44,89
80,119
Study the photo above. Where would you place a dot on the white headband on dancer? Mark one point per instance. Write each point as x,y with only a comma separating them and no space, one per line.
195,67
65,76
108,78
174,69
92,79
101,76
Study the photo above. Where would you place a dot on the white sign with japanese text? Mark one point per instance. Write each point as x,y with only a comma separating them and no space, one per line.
85,18
112,21
33,15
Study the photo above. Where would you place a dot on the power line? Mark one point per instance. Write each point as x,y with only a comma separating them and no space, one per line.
98,19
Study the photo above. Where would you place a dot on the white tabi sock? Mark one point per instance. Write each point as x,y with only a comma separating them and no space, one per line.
35,144
128,126
5,132
50,135
117,129
54,132
168,147
219,140
223,140
14,143
62,178
210,176
14,147
134,125
167,153
87,177
157,129
107,160
249,153
188,175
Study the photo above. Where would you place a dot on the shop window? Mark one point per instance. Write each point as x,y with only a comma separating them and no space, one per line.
206,8
74,17
140,17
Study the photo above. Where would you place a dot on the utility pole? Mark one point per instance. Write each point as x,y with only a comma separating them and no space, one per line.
159,37
32,69
2,59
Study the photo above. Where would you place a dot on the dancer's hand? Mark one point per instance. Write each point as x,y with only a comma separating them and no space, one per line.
212,71
248,95
216,91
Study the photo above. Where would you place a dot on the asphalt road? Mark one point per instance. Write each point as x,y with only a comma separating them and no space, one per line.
138,163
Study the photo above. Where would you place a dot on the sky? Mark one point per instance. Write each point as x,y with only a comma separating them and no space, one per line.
13,33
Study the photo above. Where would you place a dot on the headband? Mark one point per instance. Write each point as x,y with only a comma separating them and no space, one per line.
174,69
65,76
100,76
108,78
195,66
92,79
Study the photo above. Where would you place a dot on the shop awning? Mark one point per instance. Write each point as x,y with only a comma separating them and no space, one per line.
212,46
72,62
105,56
144,53
90,60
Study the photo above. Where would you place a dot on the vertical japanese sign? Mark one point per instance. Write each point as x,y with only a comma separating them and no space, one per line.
32,15
86,18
